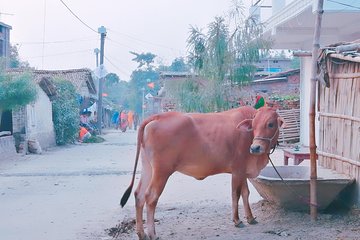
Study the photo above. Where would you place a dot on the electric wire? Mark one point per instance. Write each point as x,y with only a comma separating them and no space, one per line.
122,71
57,42
143,41
344,4
78,17
64,53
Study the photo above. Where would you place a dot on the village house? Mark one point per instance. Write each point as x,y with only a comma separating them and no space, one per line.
33,123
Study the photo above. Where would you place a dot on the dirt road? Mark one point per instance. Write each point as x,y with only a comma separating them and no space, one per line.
73,192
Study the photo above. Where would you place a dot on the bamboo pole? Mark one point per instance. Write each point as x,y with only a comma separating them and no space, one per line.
313,170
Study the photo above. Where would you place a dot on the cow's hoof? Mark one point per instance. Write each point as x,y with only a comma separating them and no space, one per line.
252,221
143,236
239,224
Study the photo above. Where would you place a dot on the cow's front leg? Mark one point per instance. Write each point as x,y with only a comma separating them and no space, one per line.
236,184
245,193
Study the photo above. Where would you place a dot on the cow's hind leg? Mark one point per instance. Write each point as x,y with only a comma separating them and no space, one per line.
236,184
140,199
152,195
245,193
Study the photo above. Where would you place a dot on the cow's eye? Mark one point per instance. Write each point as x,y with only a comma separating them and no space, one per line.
270,125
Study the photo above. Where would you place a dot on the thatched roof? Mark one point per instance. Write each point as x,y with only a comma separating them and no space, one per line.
81,79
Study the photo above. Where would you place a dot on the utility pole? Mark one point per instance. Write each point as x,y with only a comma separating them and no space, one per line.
96,51
313,168
102,31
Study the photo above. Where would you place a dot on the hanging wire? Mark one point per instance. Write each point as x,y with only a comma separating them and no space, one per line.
78,17
122,71
344,4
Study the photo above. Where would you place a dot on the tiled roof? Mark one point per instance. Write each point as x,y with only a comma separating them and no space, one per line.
76,76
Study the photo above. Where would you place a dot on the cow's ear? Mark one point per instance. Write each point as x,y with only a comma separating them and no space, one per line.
281,123
245,125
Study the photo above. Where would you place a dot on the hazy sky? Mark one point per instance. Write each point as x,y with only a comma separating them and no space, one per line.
157,26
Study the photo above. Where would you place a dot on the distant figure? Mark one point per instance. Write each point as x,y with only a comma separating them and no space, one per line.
115,119
136,121
259,102
123,121
84,134
130,119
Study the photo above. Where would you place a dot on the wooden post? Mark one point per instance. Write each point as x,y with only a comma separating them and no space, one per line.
313,170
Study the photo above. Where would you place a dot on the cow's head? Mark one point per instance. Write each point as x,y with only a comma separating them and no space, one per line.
265,126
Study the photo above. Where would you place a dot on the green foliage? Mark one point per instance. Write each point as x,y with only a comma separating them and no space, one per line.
16,90
217,49
225,56
144,59
94,139
14,60
194,97
277,97
179,65
243,74
139,80
295,63
196,44
111,79
119,94
65,112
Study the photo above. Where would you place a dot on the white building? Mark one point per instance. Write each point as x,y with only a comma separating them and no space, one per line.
291,26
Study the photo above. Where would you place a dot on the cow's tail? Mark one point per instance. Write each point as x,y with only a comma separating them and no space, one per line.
127,193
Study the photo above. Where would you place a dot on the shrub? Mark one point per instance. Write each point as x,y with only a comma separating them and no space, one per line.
16,91
65,113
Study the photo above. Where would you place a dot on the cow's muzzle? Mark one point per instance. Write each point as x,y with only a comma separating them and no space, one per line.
256,149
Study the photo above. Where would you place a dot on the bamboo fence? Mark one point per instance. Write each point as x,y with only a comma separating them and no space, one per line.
339,114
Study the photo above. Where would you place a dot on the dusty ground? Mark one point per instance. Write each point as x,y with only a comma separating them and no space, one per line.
191,209
73,192
211,220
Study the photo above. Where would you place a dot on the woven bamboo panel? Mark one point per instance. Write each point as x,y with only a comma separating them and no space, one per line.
339,112
291,130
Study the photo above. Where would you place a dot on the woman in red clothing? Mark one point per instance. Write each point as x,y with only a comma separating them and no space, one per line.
83,134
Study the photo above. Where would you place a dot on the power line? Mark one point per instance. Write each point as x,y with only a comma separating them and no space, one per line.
344,4
143,41
107,59
78,17
65,53
61,41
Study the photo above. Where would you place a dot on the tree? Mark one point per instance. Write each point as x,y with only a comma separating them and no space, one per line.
196,48
224,56
141,77
144,59
111,79
14,60
65,112
16,91
179,65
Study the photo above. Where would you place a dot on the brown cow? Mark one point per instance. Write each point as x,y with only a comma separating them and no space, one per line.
200,145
